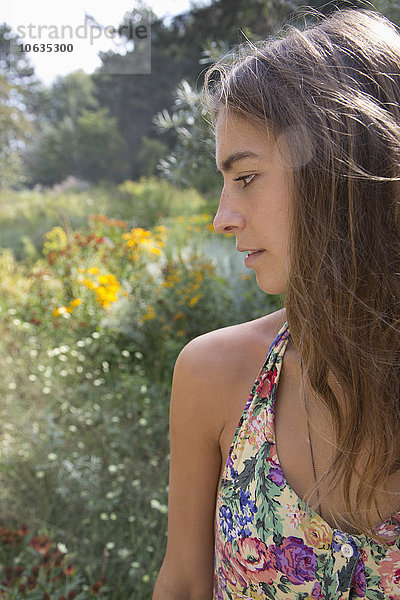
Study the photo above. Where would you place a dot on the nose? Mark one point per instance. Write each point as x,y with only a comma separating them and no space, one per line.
228,218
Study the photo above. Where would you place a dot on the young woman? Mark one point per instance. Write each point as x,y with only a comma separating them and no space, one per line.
293,491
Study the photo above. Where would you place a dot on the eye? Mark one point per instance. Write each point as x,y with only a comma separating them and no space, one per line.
247,179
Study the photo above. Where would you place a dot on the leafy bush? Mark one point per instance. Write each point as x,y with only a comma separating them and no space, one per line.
35,568
151,200
26,216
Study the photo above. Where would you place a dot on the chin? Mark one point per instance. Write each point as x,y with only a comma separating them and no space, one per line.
269,286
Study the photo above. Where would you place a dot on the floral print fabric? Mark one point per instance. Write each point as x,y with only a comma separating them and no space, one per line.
266,545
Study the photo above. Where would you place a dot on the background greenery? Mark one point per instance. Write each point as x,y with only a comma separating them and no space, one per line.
108,266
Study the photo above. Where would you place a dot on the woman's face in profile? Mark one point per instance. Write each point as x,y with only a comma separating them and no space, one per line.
255,200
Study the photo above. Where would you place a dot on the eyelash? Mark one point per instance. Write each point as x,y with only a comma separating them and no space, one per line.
243,178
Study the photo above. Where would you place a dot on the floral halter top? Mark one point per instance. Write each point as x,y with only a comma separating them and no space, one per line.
266,546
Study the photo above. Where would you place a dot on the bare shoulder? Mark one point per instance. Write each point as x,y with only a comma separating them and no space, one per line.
220,366
229,348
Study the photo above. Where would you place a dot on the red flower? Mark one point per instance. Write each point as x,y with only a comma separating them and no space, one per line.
266,384
41,543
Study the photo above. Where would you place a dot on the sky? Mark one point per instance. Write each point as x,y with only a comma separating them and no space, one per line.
36,21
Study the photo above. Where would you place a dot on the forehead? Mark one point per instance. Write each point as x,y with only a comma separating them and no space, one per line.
232,128
238,136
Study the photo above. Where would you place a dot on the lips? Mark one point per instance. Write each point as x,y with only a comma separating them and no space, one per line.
252,256
250,252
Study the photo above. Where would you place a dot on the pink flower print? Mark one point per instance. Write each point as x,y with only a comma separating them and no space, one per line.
257,432
294,515
256,562
266,384
389,570
227,573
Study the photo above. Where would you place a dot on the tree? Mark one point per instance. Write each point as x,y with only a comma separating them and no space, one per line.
74,135
192,161
16,80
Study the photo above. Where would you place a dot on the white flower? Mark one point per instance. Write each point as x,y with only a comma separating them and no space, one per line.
162,508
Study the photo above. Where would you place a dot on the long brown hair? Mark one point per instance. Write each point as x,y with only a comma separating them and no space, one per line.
333,92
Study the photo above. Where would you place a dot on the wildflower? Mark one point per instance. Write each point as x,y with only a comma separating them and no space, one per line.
96,587
195,299
150,314
139,238
63,310
41,543
89,284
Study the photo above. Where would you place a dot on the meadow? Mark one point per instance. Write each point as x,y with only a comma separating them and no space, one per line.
100,288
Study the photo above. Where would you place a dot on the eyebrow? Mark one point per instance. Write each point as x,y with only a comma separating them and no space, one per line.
226,164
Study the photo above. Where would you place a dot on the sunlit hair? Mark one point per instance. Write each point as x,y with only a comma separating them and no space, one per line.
333,92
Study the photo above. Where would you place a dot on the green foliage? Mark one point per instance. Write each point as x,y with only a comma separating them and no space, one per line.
69,96
192,161
90,329
101,152
90,148
34,567
151,152
74,135
151,199
15,83
26,216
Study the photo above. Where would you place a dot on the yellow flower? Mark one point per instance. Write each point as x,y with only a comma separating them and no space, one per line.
150,314
93,270
89,284
195,299
56,239
155,250
316,532
61,310
75,302
105,279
